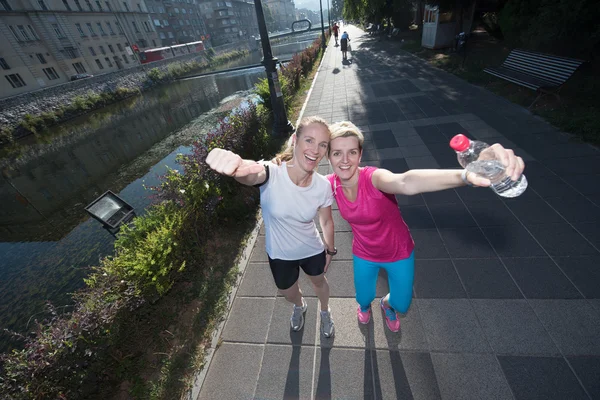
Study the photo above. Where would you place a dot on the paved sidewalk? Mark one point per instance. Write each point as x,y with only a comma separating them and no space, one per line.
507,292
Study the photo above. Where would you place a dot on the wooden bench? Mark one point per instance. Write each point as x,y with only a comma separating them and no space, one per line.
543,73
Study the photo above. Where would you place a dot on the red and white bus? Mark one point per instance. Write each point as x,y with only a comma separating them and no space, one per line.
163,53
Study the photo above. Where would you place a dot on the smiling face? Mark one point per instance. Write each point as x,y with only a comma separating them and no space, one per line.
344,156
310,146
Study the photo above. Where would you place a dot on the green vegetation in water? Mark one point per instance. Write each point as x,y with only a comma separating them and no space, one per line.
145,319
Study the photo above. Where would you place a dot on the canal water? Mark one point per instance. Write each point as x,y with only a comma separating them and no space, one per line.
47,241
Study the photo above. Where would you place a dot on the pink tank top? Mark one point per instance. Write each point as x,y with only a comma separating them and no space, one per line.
380,233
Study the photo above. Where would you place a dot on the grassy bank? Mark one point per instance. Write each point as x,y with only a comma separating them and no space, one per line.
37,124
575,113
141,326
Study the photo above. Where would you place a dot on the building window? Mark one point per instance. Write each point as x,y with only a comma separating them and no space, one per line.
92,51
70,52
165,22
108,62
102,49
100,28
187,21
50,73
78,4
89,26
180,22
58,31
183,11
42,5
79,68
98,5
32,31
147,26
41,58
171,35
126,6
110,29
157,22
108,6
14,32
139,7
87,3
66,4
23,32
15,80
162,35
81,33
153,42
119,47
119,27
3,63
176,10
125,59
5,6
112,50
135,28
99,64
150,9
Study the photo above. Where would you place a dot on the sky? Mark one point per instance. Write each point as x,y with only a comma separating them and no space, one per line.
310,4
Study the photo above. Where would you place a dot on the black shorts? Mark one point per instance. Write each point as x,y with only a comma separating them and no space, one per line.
286,272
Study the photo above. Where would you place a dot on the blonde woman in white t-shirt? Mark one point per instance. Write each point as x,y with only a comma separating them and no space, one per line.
291,195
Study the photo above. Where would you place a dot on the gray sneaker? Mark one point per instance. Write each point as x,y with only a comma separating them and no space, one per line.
297,319
327,326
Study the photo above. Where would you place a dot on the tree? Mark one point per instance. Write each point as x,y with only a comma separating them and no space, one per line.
269,20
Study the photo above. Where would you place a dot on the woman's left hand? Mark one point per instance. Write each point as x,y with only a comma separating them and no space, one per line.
514,165
328,259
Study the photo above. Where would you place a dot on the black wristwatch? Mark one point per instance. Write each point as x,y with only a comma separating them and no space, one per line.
331,253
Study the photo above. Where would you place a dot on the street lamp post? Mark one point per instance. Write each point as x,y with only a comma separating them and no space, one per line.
281,124
329,15
322,27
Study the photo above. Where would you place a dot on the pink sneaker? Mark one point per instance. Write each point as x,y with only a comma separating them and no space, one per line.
363,316
391,317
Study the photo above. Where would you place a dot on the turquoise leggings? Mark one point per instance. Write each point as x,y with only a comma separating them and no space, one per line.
400,273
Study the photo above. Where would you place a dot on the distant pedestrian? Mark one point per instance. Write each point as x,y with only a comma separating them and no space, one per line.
344,44
336,31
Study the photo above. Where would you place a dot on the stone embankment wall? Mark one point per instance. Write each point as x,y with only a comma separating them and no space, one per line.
13,109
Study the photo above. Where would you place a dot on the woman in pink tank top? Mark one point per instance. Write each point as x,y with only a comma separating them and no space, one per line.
366,199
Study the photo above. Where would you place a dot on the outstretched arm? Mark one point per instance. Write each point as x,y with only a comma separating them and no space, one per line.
432,180
326,221
225,162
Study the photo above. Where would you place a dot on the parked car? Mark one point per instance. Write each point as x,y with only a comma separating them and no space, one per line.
81,76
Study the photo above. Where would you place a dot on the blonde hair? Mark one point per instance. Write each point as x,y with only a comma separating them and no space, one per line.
346,129
288,153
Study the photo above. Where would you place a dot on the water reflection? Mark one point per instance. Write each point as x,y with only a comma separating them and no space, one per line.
46,239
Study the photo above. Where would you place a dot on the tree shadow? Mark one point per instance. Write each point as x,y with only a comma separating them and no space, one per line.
336,70
324,381
346,61
292,381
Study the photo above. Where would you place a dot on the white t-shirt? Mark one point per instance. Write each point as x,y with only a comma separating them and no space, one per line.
289,211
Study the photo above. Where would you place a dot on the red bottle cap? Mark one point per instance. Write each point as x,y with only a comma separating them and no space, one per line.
460,142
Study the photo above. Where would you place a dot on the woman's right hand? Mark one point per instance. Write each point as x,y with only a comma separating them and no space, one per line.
228,163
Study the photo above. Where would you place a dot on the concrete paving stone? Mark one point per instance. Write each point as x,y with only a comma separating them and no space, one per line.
428,244
425,162
411,335
587,368
550,186
541,378
583,272
404,141
379,127
339,223
280,331
483,134
513,241
414,116
370,154
486,278
431,134
573,324
340,275
533,210
286,373
259,253
241,361
471,195
451,325
343,242
257,281
512,327
449,129
491,213
590,231
442,197
400,375
389,154
437,279
561,239
343,374
396,165
540,278
574,207
248,320
348,332
417,217
402,129
451,215
574,166
586,184
414,200
415,151
467,243
383,139
470,376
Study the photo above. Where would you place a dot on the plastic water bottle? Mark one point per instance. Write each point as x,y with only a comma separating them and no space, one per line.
468,152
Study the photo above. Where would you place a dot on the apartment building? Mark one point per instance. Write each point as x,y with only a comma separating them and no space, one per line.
48,41
283,12
229,21
177,21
